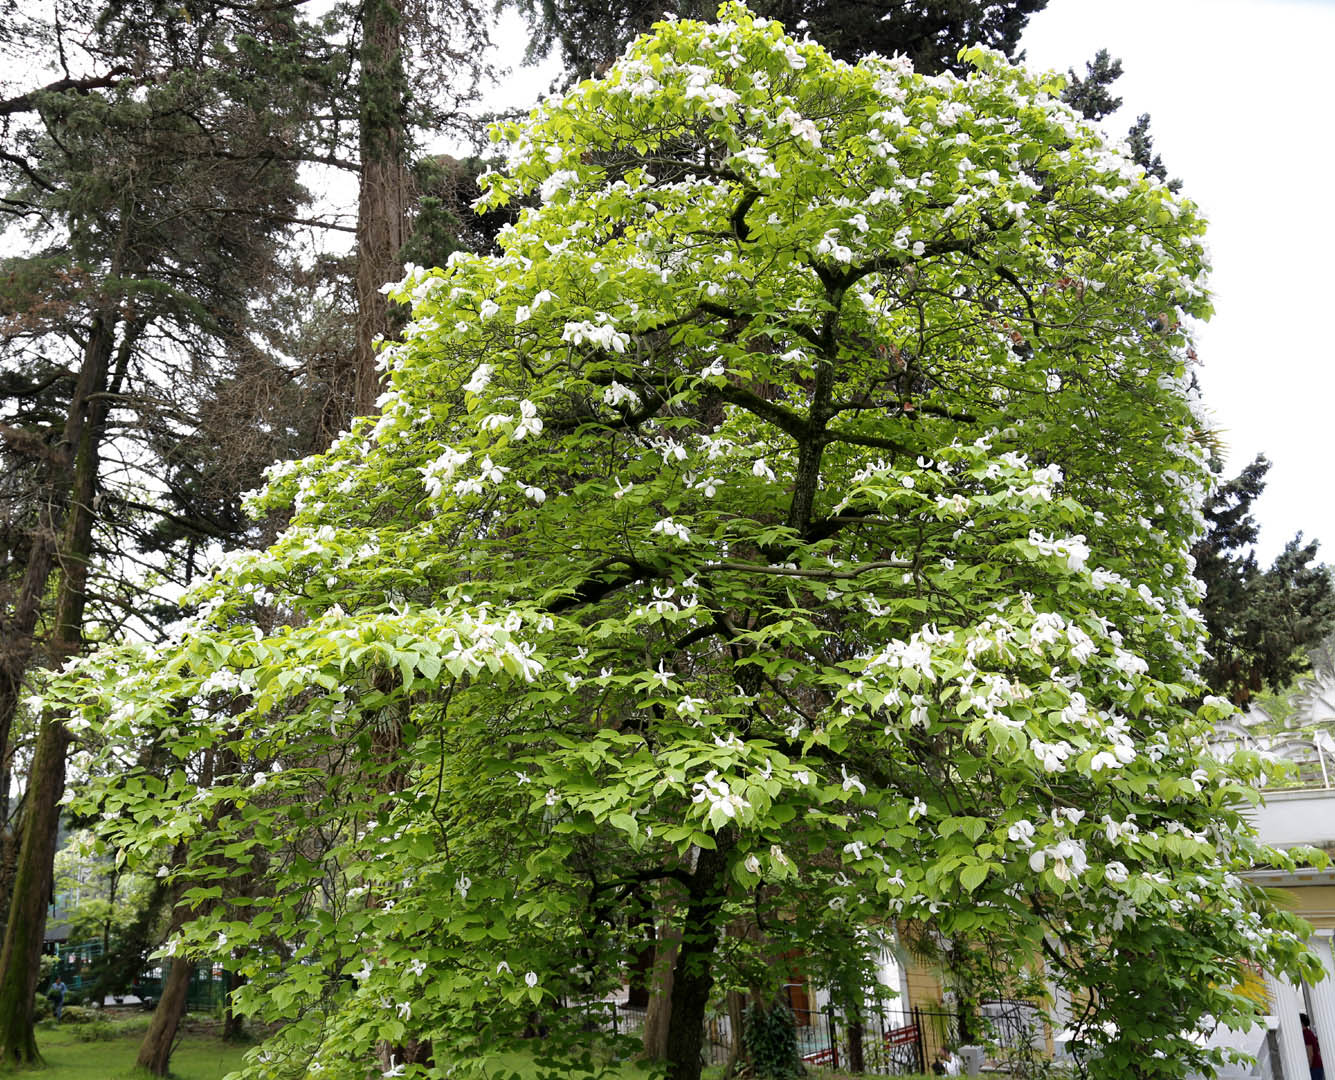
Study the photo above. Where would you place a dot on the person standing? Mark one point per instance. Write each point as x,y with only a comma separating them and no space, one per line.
58,996
1313,1046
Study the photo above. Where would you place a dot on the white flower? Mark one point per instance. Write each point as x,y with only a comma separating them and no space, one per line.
531,978
752,864
837,903
761,469
1021,833
163,871
416,967
851,782
603,333
530,423
1054,383
394,1069
856,848
463,885
364,972
552,797
405,1010
615,394
503,966
917,809
1116,872
481,379
488,309
719,796
491,471
530,492
668,527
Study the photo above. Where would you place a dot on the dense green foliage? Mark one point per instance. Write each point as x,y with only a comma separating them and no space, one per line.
742,544
1260,621
930,33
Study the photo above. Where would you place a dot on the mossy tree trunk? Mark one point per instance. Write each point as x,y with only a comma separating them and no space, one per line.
80,452
693,974
20,958
155,1051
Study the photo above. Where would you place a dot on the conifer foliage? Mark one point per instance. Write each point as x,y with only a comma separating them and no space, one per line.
743,543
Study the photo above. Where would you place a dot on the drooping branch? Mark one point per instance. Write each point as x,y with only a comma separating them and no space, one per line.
28,101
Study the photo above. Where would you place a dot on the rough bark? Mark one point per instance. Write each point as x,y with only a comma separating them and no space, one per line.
659,1010
382,194
693,973
855,1031
19,640
156,1050
234,1026
72,493
21,955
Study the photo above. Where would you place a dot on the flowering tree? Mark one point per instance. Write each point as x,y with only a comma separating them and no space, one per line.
790,526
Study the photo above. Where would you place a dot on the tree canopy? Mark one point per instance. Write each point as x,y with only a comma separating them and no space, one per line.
1260,621
789,527
931,33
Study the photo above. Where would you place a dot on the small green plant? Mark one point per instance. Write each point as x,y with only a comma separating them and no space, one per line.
770,1038
78,1014
97,1031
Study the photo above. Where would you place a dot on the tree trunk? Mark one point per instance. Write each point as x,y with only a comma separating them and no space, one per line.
20,628
855,1063
693,974
21,955
659,1010
74,489
736,1009
640,973
234,1026
155,1051
382,196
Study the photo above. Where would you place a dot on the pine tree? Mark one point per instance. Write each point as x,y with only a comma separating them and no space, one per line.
929,32
1260,621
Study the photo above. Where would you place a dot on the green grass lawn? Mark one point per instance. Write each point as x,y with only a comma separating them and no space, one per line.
197,1057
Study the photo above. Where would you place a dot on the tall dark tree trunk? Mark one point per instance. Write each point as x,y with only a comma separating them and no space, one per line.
855,1032
156,1050
382,197
693,974
659,1010
26,927
21,955
19,641
234,1026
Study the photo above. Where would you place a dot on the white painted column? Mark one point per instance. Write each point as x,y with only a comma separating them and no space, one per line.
1286,1003
1322,995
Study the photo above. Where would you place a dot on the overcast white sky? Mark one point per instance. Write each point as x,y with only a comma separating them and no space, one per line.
1240,96
1241,105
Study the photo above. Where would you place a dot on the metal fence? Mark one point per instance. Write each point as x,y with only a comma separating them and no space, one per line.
886,1041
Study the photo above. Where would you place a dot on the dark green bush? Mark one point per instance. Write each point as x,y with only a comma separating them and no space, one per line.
770,1038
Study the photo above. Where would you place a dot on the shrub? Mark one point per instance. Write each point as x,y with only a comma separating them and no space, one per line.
96,1030
78,1014
770,1038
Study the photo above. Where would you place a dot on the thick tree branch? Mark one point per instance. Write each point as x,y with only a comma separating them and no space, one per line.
25,102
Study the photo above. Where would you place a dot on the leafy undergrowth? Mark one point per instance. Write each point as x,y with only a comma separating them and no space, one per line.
199,1056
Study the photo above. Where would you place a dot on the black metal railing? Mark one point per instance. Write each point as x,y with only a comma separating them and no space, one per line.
884,1041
